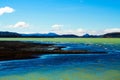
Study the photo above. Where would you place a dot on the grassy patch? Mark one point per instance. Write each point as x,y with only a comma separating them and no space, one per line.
73,40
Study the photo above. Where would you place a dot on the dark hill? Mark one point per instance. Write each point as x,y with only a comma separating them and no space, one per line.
9,34
112,35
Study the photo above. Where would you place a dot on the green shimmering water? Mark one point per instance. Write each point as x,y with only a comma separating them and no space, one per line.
70,74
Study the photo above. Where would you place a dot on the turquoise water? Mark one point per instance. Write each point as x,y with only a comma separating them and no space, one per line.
67,67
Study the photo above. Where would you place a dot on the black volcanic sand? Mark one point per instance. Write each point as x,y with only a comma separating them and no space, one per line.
13,50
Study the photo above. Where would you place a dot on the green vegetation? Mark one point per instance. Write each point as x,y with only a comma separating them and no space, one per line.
73,40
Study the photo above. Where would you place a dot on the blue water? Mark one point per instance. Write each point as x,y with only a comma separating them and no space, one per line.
63,66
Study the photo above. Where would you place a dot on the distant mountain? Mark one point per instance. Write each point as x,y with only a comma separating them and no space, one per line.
9,34
54,35
48,35
40,35
86,36
91,36
69,35
112,35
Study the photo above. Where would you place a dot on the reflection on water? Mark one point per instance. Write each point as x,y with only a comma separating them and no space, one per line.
66,67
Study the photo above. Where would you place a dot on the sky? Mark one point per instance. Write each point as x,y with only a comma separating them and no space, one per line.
60,16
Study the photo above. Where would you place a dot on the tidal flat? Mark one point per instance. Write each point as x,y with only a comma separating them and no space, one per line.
63,66
11,50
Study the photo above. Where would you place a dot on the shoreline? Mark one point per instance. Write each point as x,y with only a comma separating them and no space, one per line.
15,50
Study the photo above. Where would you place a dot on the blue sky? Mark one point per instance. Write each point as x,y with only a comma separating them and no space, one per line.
60,16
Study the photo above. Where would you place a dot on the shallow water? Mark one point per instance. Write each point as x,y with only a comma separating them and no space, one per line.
67,67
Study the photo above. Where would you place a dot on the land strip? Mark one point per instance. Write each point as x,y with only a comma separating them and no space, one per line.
13,50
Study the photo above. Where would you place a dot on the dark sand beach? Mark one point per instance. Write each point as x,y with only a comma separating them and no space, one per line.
11,50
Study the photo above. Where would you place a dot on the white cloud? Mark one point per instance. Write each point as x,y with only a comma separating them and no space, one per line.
6,9
57,26
81,31
112,30
70,31
76,32
19,25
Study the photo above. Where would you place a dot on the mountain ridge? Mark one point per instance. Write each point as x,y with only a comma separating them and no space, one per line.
55,35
